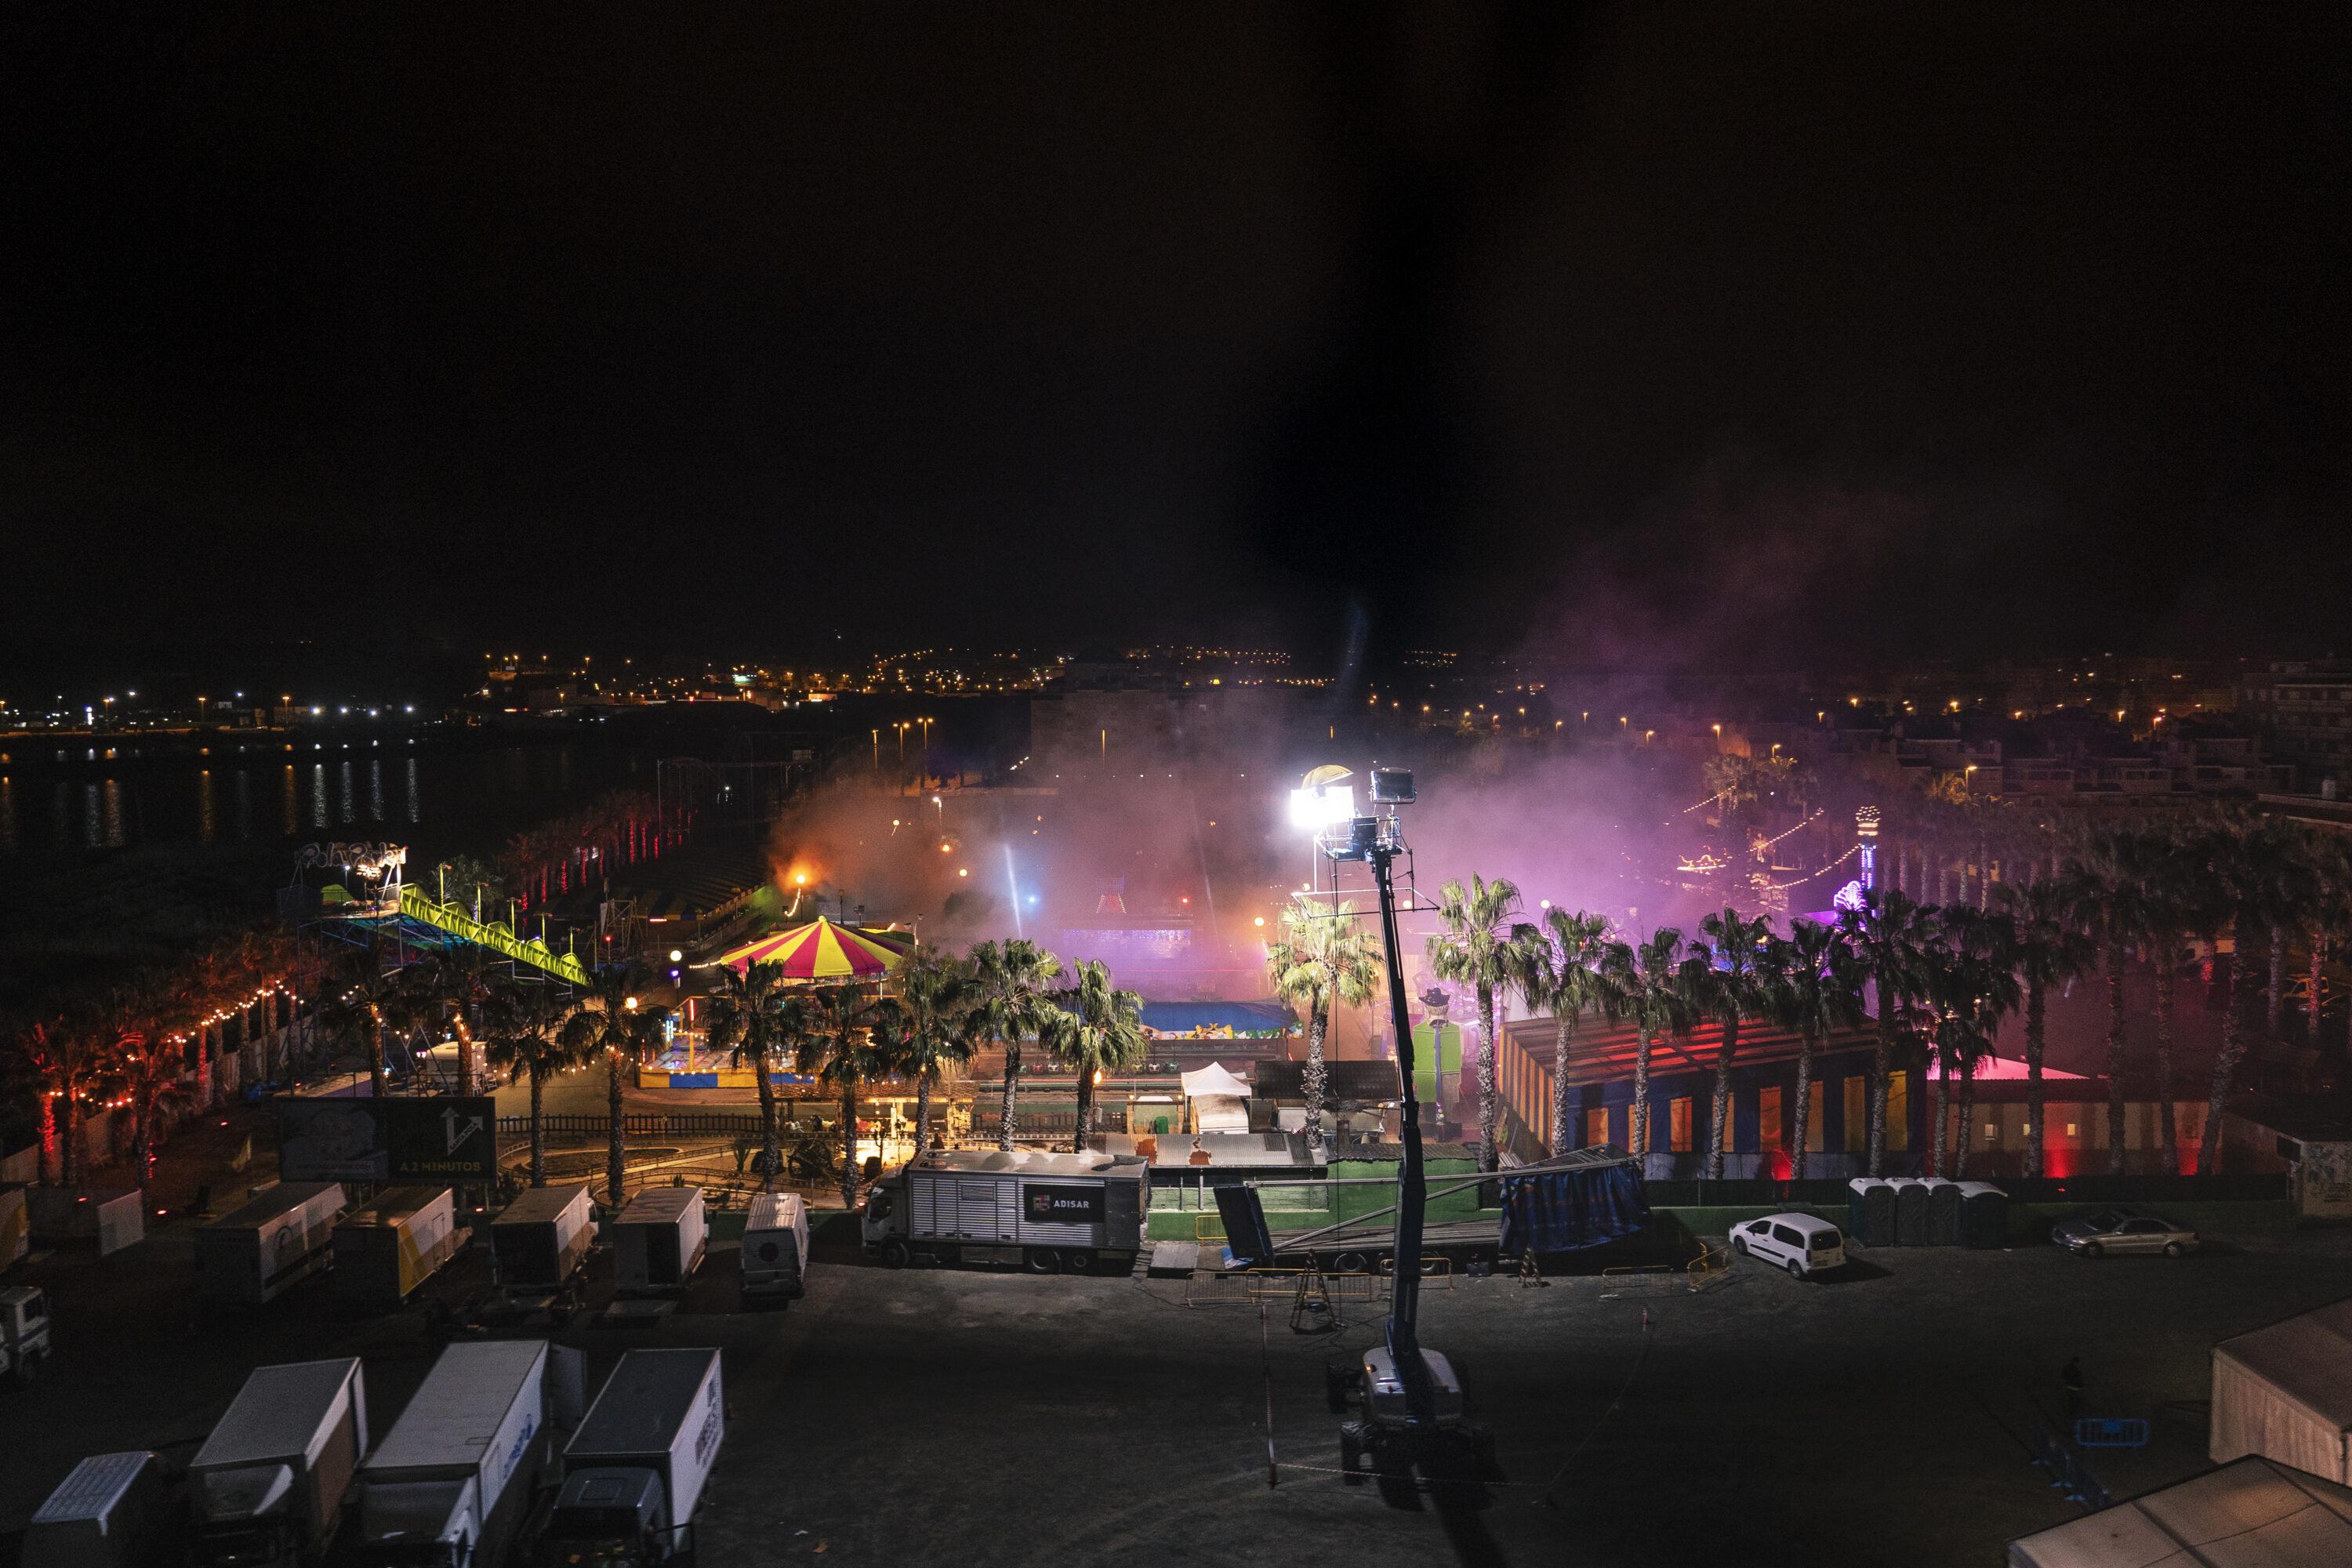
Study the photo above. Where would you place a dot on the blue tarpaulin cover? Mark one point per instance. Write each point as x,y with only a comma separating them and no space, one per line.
1241,1018
1564,1210
1248,1244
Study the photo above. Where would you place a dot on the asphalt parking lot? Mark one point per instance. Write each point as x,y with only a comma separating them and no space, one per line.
938,1415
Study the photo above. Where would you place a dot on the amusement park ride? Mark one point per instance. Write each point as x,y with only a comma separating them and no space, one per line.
372,901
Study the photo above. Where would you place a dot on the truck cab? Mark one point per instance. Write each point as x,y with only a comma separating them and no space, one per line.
424,1524
611,1517
23,1330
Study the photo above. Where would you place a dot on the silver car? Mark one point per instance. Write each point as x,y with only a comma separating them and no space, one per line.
2120,1228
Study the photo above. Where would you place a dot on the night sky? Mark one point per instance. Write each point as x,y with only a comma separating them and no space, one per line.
1719,332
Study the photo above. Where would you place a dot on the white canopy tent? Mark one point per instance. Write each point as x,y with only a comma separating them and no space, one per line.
1220,1101
2250,1514
2286,1392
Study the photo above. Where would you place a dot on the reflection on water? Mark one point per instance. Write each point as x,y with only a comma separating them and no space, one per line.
480,796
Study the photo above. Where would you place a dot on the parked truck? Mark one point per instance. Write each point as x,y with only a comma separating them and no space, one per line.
658,1241
1045,1213
275,1240
539,1241
634,1471
268,1486
449,1484
774,1259
23,1330
112,1511
389,1246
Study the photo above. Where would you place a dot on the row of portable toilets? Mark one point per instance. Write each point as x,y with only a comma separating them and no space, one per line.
1912,1211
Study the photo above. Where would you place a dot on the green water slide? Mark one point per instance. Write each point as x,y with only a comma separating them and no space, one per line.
495,935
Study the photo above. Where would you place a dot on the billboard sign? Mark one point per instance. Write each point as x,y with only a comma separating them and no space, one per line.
341,1139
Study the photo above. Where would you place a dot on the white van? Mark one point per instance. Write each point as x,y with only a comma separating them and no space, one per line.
1796,1242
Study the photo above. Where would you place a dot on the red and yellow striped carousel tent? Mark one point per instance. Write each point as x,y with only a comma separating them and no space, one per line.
823,950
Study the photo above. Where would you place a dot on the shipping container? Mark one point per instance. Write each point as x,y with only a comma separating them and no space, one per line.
539,1239
112,1511
388,1247
454,1477
268,1486
658,1241
775,1246
280,1237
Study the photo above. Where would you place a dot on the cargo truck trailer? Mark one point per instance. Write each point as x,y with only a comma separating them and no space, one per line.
275,1240
268,1486
634,1471
389,1246
1045,1213
450,1484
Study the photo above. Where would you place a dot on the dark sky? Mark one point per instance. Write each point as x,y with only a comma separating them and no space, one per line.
1742,328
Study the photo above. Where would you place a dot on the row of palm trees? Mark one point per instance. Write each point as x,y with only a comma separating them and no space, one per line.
1936,981
936,1013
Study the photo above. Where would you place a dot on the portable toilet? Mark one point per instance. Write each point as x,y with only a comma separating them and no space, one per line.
1942,1212
1984,1215
1870,1211
1910,1211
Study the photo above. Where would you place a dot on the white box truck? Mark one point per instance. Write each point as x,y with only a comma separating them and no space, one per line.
268,1486
275,1240
112,1511
454,1476
1046,1212
775,1246
389,1246
658,1241
23,1330
539,1241
634,1471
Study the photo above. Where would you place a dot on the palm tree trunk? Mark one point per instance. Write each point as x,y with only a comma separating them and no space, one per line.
538,1129
2225,1068
2170,1132
48,1139
72,1159
2035,1003
1942,1084
1967,1118
376,1057
138,1115
771,1150
1720,1144
615,1162
1565,1036
849,1144
2114,1058
2274,1014
1315,1080
922,1113
1638,1134
1489,1103
1085,1119
1881,1063
1012,1087
2319,1001
1804,1113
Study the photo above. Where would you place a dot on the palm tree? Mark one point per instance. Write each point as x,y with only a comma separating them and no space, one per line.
1560,967
2122,871
1318,959
2331,876
757,1015
2240,859
1814,987
1889,933
2051,950
448,980
935,992
1011,1006
66,1057
152,1076
840,1047
1735,992
612,1022
1970,984
367,1001
1100,1031
1474,949
525,1042
1649,977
